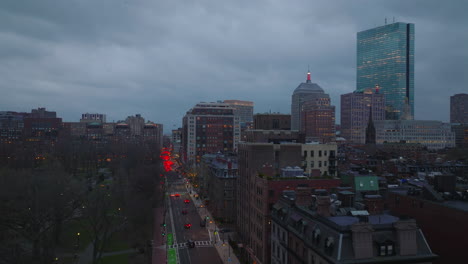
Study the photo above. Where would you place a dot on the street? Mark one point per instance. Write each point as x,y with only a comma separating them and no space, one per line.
180,215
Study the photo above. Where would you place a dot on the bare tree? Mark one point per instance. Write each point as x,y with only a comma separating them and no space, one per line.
35,203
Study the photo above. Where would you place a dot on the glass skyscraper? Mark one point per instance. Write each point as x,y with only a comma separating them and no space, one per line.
385,57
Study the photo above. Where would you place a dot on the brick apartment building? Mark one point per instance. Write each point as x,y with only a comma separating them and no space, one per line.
265,170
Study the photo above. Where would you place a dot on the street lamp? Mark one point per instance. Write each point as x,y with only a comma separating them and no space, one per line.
78,240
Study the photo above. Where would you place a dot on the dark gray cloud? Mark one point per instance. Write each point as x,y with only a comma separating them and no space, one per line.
159,58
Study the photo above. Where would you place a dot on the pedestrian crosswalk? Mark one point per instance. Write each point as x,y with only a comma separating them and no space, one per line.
204,243
197,244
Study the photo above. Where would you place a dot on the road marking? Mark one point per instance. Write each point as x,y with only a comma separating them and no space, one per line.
197,244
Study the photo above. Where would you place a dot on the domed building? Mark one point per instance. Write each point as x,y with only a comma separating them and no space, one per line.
304,92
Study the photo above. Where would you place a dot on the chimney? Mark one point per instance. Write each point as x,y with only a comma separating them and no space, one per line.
362,240
323,205
374,204
303,196
347,198
406,237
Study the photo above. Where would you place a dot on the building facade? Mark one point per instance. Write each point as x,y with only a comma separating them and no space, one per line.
355,108
272,121
385,57
307,227
243,109
11,126
318,120
431,134
265,170
459,108
136,124
219,182
461,134
93,118
319,159
209,128
304,92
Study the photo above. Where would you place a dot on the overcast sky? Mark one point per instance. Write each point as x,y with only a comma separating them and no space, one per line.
159,58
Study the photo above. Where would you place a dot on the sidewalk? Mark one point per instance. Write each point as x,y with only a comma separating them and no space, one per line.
159,251
224,250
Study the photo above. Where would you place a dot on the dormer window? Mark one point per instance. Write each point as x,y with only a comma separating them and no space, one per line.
329,245
316,236
386,248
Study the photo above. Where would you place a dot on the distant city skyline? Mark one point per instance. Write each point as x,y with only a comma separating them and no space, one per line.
155,59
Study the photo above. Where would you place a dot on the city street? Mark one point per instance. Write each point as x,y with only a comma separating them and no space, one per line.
181,214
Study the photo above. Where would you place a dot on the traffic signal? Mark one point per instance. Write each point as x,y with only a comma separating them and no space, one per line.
163,233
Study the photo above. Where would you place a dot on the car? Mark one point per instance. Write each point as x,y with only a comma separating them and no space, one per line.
184,212
190,243
187,226
177,195
186,201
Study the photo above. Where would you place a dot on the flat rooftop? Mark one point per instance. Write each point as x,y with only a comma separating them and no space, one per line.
379,219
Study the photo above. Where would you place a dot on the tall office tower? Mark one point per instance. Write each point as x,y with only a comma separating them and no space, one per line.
302,93
318,119
385,57
355,113
459,108
244,109
209,128
136,124
101,118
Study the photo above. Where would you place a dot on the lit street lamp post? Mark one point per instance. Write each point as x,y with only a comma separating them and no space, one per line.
78,240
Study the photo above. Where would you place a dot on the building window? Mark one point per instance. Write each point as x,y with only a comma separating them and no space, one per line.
325,153
311,153
312,164
320,164
305,153
389,249
320,153
382,250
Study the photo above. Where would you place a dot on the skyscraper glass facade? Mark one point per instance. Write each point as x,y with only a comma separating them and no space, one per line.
385,57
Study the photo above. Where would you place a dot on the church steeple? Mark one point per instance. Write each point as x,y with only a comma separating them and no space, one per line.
370,130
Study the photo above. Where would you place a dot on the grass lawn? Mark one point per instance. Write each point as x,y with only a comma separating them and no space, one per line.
116,259
69,238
